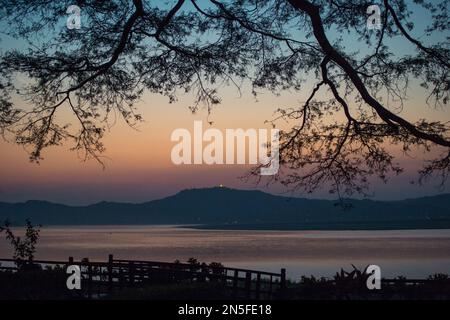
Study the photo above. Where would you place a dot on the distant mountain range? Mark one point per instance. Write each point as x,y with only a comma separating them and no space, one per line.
226,208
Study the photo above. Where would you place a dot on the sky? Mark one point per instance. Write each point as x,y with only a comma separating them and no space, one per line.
138,163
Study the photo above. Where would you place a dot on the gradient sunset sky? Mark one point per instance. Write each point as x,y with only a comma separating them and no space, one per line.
138,164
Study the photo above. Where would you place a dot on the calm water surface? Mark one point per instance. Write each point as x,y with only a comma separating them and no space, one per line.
413,253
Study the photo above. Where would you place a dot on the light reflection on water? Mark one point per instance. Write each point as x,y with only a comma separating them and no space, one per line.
413,253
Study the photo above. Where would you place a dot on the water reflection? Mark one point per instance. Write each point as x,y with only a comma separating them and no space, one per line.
413,253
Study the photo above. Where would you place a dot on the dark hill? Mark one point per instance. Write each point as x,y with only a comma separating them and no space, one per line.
230,208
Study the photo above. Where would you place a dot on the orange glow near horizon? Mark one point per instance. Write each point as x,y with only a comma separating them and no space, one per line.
138,164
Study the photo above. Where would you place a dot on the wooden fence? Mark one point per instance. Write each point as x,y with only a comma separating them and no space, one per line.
101,278
104,278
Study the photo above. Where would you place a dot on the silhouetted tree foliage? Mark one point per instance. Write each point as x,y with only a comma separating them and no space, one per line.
125,47
24,248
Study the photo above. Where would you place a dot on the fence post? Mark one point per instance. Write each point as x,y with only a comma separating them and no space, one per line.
89,268
258,285
283,282
110,273
270,287
248,283
235,282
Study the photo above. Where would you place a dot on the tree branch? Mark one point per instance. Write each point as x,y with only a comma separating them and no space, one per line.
313,12
419,45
